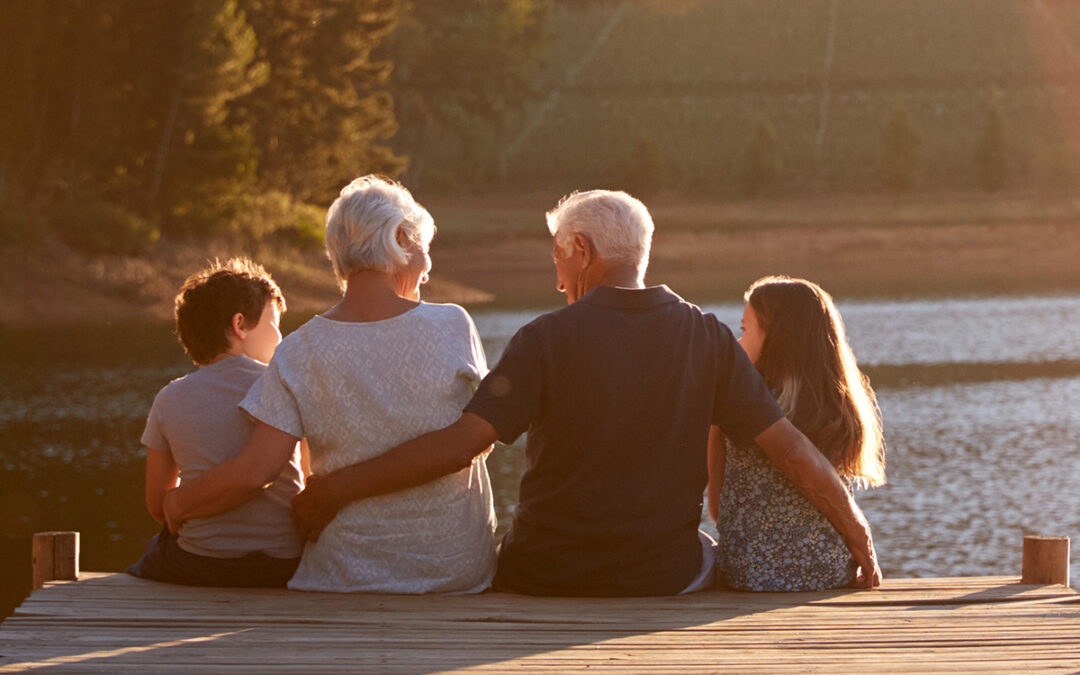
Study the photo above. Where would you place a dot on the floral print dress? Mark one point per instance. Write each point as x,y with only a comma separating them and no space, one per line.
771,537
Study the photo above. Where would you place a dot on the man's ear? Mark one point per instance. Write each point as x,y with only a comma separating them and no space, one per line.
584,246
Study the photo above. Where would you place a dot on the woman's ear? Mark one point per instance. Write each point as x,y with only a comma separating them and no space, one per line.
401,237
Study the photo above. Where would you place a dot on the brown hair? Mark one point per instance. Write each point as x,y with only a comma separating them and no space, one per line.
208,300
807,362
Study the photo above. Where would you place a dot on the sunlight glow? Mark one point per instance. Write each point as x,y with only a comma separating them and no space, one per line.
123,651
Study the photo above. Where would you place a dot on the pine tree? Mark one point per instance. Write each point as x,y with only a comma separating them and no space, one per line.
991,165
900,151
203,165
126,110
322,115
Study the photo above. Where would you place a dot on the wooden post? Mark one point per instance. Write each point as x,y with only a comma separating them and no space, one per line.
1046,560
55,557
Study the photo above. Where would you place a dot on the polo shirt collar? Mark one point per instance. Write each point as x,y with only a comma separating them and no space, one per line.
629,298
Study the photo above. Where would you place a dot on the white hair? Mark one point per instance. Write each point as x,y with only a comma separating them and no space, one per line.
362,226
618,225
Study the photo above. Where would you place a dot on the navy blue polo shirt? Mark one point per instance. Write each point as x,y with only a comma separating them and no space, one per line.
617,392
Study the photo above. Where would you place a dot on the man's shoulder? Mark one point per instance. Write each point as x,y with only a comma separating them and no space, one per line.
580,312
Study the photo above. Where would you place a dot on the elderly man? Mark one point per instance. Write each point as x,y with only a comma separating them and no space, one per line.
617,392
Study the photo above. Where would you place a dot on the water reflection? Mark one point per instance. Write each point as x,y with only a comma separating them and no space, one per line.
960,330
981,399
972,468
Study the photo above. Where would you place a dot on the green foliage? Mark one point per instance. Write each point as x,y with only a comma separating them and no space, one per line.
701,75
900,147
204,164
276,218
320,116
991,165
463,70
91,225
761,160
303,234
178,112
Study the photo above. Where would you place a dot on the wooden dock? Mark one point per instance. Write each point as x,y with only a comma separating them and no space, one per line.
115,623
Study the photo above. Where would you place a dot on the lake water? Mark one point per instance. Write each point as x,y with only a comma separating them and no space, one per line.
980,397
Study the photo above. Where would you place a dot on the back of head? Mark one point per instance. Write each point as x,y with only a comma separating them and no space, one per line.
618,225
363,222
807,361
209,299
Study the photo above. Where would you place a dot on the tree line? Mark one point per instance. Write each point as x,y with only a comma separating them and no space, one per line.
127,119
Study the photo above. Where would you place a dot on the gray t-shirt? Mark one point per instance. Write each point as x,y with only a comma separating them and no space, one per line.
196,419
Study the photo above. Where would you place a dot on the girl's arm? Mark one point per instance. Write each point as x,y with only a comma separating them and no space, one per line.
717,449
162,475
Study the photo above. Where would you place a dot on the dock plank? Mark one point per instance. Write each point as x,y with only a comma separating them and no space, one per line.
115,623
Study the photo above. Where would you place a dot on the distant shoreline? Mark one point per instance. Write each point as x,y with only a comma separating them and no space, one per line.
495,253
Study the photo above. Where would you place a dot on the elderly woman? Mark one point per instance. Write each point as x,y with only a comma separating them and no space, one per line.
378,368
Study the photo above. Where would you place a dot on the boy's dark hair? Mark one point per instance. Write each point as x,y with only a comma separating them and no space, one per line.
209,299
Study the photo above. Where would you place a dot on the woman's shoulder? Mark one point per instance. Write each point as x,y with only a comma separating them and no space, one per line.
445,315
444,310
298,344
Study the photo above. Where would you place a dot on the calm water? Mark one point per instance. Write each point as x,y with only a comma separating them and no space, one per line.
981,400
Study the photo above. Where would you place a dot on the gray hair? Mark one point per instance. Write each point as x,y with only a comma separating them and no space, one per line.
618,225
362,226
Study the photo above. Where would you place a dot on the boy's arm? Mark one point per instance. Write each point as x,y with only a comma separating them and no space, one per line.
415,462
232,482
305,458
717,456
816,479
161,476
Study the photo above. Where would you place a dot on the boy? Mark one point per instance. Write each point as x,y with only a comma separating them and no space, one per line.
227,320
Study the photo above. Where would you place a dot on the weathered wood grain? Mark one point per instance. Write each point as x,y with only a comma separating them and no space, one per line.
115,623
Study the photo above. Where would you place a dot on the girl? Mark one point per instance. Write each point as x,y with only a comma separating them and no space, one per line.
771,537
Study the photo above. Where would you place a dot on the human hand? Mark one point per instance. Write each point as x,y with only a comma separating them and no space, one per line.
314,508
170,505
869,574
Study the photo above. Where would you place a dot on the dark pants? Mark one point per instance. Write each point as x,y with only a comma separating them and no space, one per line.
164,560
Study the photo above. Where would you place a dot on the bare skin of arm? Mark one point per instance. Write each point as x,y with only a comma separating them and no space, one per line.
305,458
415,462
235,481
162,475
816,479
717,455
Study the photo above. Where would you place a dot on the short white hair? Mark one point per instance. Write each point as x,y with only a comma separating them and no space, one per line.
362,226
618,225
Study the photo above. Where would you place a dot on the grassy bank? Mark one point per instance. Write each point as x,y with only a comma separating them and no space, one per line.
496,252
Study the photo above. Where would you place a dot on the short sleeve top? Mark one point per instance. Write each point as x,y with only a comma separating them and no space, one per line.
617,392
196,419
355,390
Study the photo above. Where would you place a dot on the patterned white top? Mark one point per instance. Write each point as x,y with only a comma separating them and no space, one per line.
355,390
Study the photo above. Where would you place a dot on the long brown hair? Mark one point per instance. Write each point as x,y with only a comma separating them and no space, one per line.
807,362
